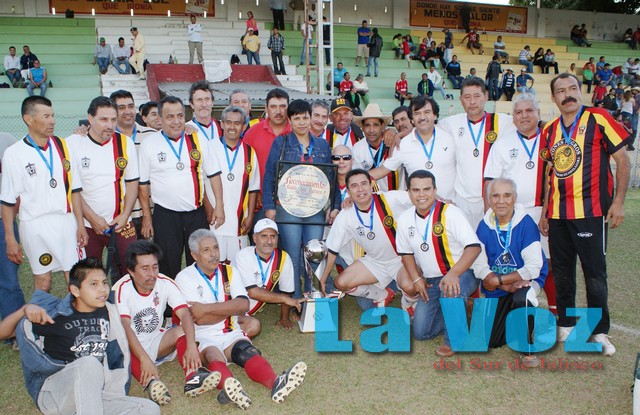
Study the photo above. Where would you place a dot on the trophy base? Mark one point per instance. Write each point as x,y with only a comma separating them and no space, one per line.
316,312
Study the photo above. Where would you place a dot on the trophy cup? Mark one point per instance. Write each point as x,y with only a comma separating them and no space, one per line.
314,251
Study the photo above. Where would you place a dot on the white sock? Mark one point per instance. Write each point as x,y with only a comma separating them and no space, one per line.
407,301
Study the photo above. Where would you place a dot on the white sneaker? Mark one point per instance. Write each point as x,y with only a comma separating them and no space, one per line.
563,333
608,349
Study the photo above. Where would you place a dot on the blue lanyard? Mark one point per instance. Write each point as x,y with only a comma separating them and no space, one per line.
433,141
230,163
524,144
370,216
474,137
565,135
262,272
208,137
133,136
426,226
310,155
206,279
176,153
346,136
49,164
376,160
506,242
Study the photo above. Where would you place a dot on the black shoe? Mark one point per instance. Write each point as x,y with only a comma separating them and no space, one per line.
232,392
288,381
201,381
158,392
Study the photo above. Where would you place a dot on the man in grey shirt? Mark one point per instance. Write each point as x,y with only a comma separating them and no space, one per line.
102,56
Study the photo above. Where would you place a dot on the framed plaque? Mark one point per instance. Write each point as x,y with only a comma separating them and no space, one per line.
304,190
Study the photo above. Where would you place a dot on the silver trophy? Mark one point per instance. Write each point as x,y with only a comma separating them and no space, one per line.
314,251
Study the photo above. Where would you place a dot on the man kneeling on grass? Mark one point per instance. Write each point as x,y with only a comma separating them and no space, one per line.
75,359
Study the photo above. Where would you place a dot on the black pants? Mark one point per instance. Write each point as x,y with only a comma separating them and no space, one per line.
508,92
171,232
585,239
278,63
278,19
509,302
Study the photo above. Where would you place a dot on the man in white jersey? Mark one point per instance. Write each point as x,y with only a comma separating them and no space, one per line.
517,157
38,172
173,168
437,246
108,167
217,297
142,297
371,152
264,267
342,130
201,102
371,223
240,184
427,147
474,132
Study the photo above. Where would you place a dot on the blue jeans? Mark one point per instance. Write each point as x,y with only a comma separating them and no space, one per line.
428,321
103,63
494,94
303,55
118,65
10,291
455,80
528,64
31,87
373,61
14,77
254,55
293,236
524,89
439,88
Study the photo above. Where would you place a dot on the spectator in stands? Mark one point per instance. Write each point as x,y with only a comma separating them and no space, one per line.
364,33
150,116
326,35
12,67
397,46
454,72
550,61
298,12
635,69
609,102
636,38
345,84
524,58
500,50
362,88
583,35
277,9
352,97
599,92
26,60
251,43
620,89
37,79
465,17
492,78
576,36
432,55
588,71
600,64
618,75
572,69
448,44
425,86
422,53
606,75
137,59
508,84
102,56
336,76
375,48
441,49
252,24
195,39
538,59
472,74
430,38
436,79
276,46
627,70
522,83
627,37
474,41
121,54
402,89
306,31
626,107
313,14
406,51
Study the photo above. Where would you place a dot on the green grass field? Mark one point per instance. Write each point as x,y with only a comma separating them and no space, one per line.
360,382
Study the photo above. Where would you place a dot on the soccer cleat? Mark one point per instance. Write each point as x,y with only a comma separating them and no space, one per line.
563,333
158,392
232,392
529,361
388,299
288,381
608,349
201,381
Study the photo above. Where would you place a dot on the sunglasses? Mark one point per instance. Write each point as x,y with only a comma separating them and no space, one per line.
346,157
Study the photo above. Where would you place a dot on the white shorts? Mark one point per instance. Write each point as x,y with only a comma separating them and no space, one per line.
474,211
363,50
151,344
535,213
383,271
230,245
221,341
50,242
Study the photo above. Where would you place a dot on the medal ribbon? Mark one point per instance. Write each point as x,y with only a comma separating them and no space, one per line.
208,137
506,242
426,226
49,164
206,279
309,157
346,136
523,140
370,216
474,137
262,272
376,160
343,193
230,163
565,135
133,136
176,153
433,141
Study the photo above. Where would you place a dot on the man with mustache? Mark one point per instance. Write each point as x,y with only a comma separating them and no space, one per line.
580,202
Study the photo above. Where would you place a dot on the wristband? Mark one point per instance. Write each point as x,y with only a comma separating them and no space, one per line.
499,278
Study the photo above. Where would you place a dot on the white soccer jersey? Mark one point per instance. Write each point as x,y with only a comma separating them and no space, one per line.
237,183
276,270
471,159
413,156
211,132
223,286
510,158
448,232
378,241
104,169
139,133
147,311
26,176
334,138
177,183
365,157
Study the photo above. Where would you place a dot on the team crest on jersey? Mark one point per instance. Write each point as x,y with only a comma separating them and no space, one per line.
227,288
582,129
156,298
412,231
195,155
200,290
45,259
491,137
366,165
31,169
461,132
248,168
544,154
275,276
162,157
513,153
438,229
360,230
121,163
566,158
66,165
388,221
85,162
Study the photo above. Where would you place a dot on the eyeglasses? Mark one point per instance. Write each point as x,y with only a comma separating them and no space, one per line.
345,157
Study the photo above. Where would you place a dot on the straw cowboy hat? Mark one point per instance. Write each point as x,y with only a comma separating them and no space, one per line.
373,111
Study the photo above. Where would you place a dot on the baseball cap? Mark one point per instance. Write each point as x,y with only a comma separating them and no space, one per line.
509,69
101,39
523,70
338,103
134,28
263,224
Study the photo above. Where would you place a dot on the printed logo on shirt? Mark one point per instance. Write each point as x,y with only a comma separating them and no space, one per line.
121,163
438,229
195,154
162,157
45,259
146,321
31,169
513,153
585,234
248,168
66,165
412,231
85,162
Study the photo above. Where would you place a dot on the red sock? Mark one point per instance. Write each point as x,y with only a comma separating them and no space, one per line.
135,368
222,368
259,370
181,347
550,291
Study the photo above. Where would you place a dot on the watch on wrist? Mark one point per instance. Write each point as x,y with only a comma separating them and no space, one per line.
499,279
